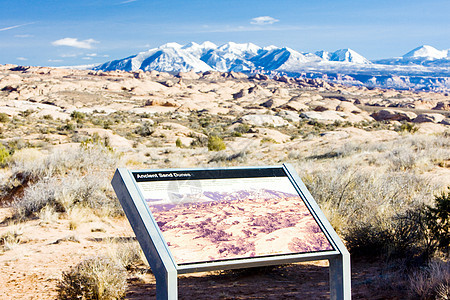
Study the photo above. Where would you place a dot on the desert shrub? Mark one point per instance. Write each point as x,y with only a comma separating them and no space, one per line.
404,235
242,128
94,278
438,221
224,157
215,143
63,193
402,159
408,127
178,143
62,180
4,156
36,197
77,115
126,254
146,129
377,213
4,118
11,237
432,282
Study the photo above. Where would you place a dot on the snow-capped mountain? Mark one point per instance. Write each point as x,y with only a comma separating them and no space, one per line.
231,57
348,55
427,52
423,68
214,196
282,59
424,55
173,57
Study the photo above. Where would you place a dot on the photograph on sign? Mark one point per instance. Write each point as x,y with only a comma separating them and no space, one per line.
218,215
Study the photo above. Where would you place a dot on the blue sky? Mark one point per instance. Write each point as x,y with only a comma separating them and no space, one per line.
58,32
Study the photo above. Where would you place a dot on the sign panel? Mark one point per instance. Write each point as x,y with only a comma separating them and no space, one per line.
229,214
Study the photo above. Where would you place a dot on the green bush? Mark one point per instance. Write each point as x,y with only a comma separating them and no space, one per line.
4,118
145,129
438,221
76,115
4,155
178,143
95,278
215,143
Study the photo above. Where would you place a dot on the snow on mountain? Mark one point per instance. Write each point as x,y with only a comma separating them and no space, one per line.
226,61
282,59
417,68
424,56
171,45
245,51
325,55
427,52
198,50
348,55
231,57
173,60
168,58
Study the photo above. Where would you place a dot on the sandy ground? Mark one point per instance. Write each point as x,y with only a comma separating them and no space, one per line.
32,268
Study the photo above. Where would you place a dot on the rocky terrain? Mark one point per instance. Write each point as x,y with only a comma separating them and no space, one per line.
368,156
240,228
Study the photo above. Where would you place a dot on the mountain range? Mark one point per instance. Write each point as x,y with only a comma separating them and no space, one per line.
208,196
423,68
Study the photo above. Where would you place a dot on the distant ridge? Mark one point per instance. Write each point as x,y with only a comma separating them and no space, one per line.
173,57
423,68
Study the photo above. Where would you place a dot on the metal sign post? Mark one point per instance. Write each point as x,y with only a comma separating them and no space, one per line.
246,217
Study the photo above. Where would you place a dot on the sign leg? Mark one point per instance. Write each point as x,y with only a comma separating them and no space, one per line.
340,278
167,286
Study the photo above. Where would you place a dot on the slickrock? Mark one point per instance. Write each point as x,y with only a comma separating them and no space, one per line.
427,117
393,115
264,120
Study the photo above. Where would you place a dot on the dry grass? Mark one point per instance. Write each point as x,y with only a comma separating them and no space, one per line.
61,181
433,282
94,278
12,237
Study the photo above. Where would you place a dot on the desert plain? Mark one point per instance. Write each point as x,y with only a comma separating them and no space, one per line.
367,155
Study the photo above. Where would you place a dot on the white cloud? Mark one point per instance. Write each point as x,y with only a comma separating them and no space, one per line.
87,58
22,58
72,42
55,60
15,26
264,20
96,55
127,1
68,55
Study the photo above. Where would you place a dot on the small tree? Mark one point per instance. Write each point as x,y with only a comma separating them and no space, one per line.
215,143
438,221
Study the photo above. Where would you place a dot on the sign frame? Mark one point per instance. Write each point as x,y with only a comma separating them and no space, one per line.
165,268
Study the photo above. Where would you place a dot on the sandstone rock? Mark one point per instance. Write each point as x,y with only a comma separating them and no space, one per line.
264,120
189,75
275,135
395,115
442,106
446,121
429,117
281,93
295,105
236,75
348,107
323,105
291,116
273,102
327,115
240,94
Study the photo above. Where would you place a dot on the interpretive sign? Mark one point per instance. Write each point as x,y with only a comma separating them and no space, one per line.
207,219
